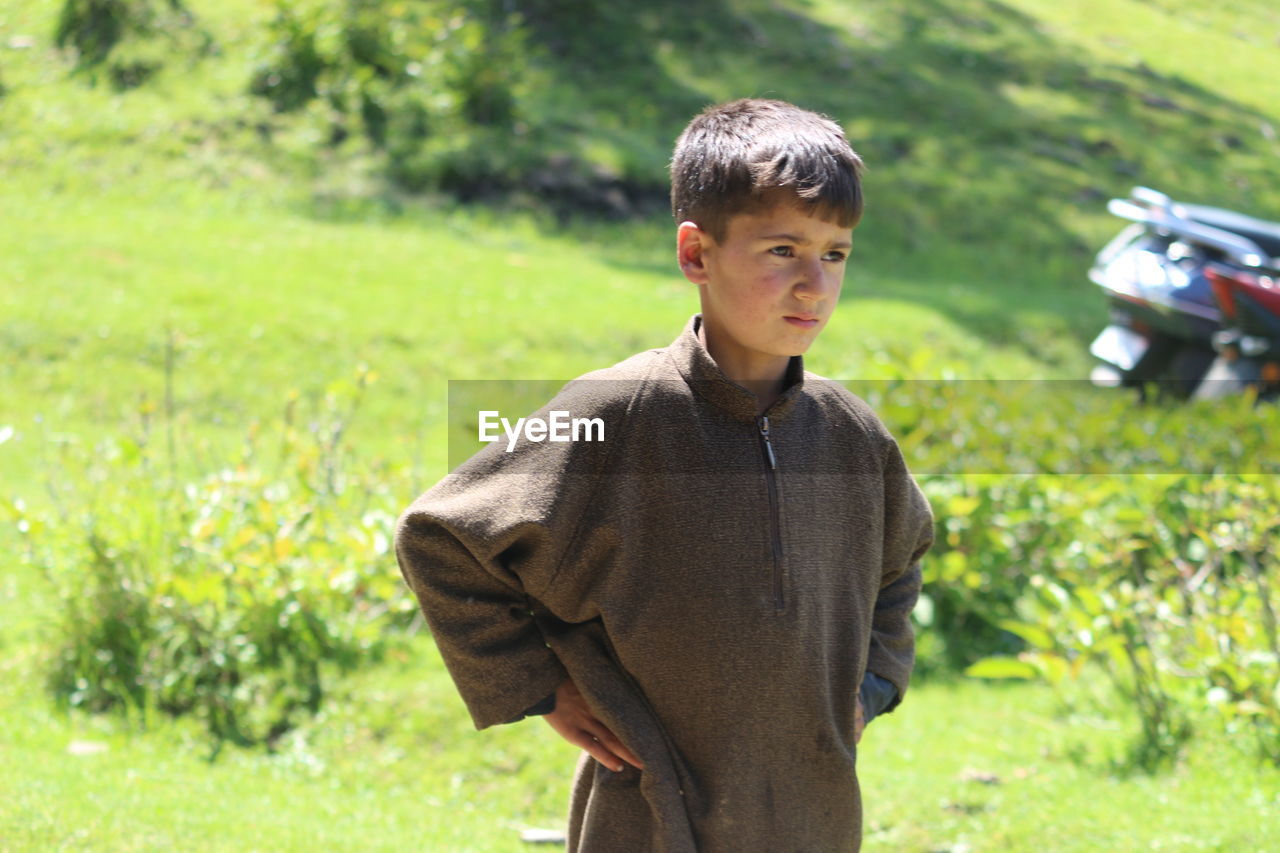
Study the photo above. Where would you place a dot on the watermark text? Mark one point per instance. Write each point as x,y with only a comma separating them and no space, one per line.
560,426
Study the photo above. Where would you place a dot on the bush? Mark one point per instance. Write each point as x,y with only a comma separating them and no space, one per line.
398,75
442,94
131,39
1165,585
1079,531
228,596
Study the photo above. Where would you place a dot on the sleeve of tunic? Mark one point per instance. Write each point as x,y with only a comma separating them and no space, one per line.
479,547
908,534
876,694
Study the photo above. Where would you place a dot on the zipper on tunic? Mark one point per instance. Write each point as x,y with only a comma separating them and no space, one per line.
770,476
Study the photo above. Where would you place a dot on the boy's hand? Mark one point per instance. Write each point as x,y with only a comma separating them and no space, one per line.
576,724
859,721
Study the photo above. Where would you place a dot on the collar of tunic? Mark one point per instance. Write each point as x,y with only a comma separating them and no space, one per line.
709,382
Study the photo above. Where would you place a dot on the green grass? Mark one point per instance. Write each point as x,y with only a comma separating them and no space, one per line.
1054,789
994,133
261,303
393,765
396,765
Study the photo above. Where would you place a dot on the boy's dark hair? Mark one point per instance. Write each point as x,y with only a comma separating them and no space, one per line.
731,154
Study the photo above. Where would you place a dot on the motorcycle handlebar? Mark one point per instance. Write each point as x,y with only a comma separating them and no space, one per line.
1240,249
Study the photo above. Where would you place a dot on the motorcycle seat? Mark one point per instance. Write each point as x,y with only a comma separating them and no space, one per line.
1265,234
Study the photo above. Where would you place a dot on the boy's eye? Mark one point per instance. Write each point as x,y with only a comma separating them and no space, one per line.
781,251
836,256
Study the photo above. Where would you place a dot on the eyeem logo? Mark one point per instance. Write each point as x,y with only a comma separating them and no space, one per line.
559,427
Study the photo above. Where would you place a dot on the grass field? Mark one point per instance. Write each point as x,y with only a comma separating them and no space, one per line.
142,225
395,765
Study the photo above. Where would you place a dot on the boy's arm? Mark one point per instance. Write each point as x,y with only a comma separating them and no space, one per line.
477,609
479,617
485,546
908,533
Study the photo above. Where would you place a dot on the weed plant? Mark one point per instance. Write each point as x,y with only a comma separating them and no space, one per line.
228,595
1163,583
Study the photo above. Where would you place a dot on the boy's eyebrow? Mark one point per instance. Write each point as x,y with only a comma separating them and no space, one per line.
791,238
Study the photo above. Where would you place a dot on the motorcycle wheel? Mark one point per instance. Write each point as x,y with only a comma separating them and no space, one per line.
1175,372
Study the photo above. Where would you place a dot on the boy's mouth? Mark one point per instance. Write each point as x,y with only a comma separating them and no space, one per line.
804,321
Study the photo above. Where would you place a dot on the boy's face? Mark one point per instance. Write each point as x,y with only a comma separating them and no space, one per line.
768,287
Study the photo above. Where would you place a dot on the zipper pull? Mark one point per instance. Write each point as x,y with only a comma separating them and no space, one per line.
768,445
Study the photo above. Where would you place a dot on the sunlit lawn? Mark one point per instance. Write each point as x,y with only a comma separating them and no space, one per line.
205,278
396,765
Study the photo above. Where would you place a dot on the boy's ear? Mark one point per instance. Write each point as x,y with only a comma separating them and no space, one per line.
691,242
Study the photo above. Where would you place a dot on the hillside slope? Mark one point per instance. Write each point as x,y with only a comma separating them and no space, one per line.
996,125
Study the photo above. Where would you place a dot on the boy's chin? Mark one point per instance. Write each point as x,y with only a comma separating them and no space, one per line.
799,347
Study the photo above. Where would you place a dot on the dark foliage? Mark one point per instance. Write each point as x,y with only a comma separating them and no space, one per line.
129,39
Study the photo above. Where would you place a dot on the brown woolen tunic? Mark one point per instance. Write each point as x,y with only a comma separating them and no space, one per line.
716,612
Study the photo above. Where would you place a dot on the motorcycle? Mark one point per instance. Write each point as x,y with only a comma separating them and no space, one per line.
1248,345
1162,276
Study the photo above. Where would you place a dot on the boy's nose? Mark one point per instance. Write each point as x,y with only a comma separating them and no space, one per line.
814,282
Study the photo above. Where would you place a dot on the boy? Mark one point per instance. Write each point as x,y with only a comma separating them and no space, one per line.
710,600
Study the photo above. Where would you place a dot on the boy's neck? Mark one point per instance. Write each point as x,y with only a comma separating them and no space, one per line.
766,379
